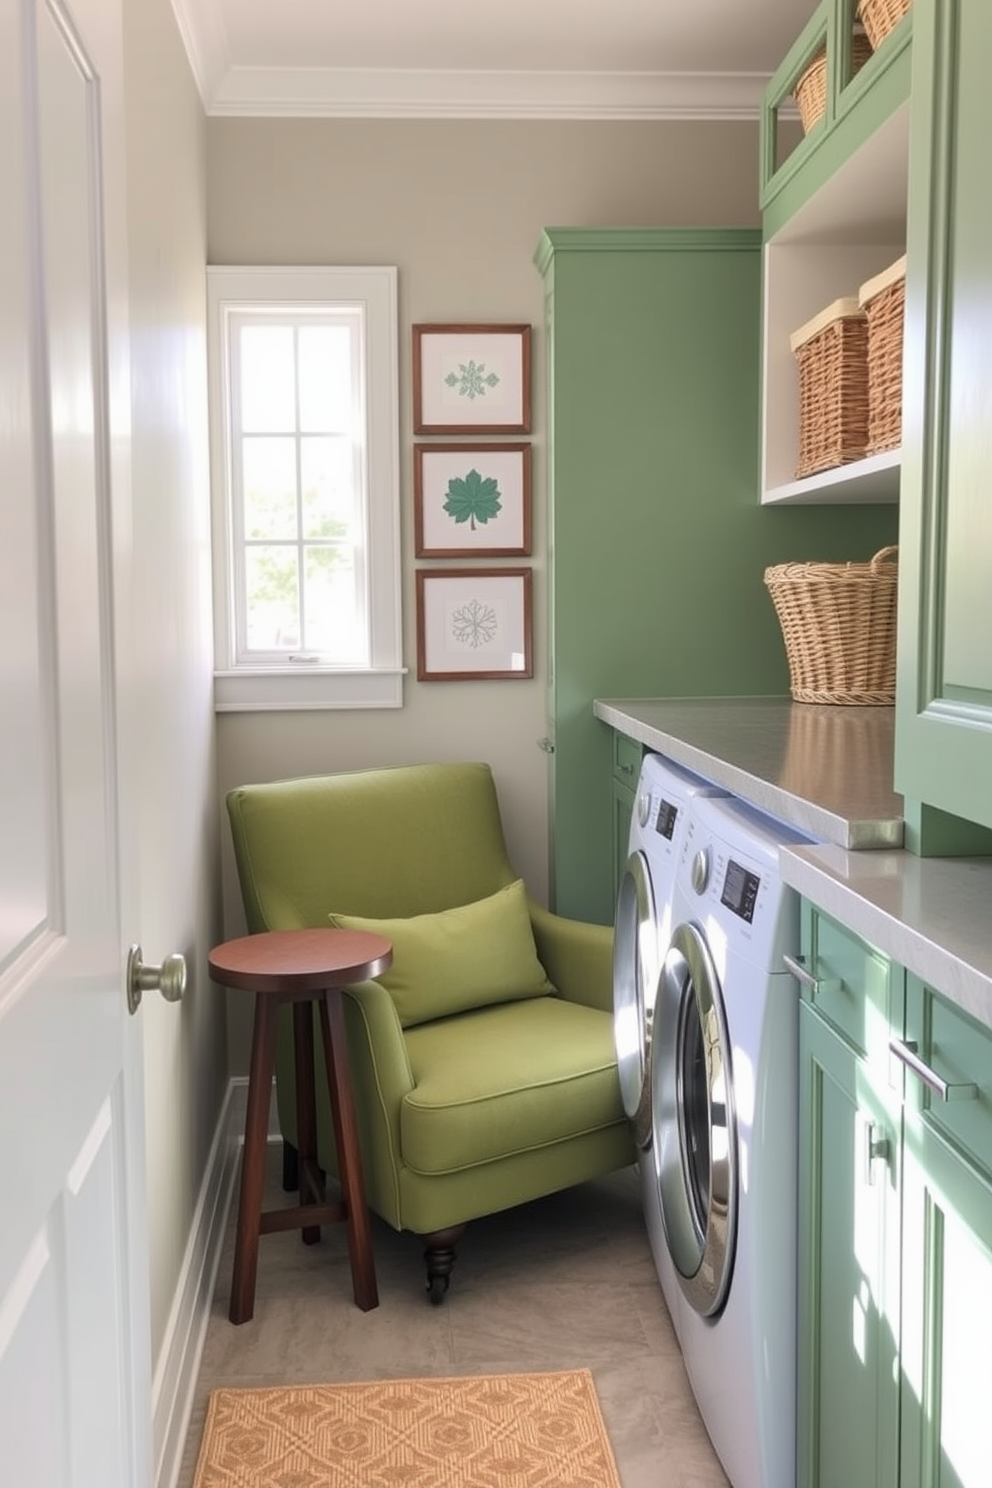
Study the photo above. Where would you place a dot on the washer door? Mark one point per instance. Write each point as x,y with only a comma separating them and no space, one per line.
635,972
694,1122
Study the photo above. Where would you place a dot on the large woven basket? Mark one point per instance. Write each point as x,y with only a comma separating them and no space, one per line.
810,91
879,17
883,299
839,626
831,352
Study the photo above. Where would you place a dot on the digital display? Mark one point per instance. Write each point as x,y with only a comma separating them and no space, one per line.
740,891
667,817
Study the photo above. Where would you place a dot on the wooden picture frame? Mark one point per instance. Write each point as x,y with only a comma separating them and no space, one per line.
471,499
474,624
471,379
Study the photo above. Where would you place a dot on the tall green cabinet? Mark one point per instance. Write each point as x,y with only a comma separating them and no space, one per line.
657,541
944,697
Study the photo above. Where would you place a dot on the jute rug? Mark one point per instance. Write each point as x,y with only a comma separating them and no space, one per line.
480,1431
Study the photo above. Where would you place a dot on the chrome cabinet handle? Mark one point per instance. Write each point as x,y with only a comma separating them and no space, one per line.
876,1147
794,965
907,1055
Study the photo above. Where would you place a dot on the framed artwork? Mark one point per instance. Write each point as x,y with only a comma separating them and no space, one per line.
471,498
473,623
471,379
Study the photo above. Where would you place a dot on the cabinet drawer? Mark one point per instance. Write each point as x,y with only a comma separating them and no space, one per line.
855,982
627,759
958,1050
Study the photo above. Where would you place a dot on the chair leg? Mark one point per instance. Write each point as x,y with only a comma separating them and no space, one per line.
290,1167
439,1258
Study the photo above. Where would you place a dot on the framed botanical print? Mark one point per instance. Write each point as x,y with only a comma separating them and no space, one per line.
471,379
472,499
473,623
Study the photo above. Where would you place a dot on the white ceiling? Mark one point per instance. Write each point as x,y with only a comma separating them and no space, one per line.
626,59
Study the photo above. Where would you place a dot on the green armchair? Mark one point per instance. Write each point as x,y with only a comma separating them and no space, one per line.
483,1061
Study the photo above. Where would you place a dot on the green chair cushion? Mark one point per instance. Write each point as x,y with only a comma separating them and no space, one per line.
513,1078
461,958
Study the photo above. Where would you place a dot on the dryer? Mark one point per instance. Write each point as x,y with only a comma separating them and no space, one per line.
642,924
724,1140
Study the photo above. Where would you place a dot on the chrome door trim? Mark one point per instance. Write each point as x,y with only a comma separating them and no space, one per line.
702,1247
635,971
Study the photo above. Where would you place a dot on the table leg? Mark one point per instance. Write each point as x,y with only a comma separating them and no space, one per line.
253,1161
349,1152
306,1110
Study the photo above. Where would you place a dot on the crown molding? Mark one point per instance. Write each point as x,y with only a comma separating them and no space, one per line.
204,37
400,93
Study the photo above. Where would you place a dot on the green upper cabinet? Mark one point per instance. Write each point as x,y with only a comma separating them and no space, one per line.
834,207
657,543
943,760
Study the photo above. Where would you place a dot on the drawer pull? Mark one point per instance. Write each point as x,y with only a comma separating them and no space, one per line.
907,1055
794,965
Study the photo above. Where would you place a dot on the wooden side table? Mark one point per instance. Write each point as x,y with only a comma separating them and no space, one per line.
302,967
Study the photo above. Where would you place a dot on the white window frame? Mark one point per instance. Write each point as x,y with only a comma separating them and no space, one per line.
232,291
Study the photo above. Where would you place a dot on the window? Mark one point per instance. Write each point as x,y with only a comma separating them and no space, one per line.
305,473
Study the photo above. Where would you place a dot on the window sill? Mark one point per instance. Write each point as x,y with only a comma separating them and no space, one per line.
271,690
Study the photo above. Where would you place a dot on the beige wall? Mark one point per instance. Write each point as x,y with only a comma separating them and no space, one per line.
185,1047
458,206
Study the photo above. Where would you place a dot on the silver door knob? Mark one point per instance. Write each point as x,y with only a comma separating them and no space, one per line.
169,978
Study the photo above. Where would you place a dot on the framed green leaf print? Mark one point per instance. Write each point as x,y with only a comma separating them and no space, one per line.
472,498
471,379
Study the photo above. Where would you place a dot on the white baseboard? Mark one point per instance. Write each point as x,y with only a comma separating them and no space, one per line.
174,1382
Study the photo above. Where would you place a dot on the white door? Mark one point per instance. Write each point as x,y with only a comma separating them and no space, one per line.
74,1366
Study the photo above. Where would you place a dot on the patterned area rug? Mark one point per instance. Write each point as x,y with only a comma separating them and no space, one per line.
479,1431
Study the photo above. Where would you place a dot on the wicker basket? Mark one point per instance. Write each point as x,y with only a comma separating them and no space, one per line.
831,351
839,626
879,17
810,91
883,300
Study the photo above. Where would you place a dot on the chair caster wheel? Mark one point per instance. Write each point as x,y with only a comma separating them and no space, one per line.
437,1287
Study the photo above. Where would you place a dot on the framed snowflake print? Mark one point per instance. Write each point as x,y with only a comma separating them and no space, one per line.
474,623
471,379
472,498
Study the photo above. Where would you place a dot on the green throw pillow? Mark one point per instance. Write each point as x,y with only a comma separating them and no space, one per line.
461,958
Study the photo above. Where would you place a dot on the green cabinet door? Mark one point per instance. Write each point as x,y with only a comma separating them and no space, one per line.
946,1358
848,1427
657,542
943,760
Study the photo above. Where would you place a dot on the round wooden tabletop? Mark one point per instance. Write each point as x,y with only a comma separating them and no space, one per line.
297,963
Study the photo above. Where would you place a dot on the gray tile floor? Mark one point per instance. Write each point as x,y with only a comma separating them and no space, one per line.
567,1282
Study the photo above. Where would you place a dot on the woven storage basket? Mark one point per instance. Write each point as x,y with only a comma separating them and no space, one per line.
883,299
831,351
810,91
839,626
879,17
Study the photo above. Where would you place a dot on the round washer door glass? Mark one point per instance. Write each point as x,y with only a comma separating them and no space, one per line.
694,1121
635,973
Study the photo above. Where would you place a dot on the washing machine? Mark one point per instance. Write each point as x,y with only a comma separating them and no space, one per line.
724,1108
643,921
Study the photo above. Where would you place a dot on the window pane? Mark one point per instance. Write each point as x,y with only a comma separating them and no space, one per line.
268,472
326,471
272,598
326,395
332,625
268,389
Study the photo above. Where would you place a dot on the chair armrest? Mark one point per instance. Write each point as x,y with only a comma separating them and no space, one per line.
577,955
380,1077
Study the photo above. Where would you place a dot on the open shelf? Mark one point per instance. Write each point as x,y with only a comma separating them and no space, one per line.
875,479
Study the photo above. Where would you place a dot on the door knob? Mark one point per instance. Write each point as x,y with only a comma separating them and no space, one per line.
169,978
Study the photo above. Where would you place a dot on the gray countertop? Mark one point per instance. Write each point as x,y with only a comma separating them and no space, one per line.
827,770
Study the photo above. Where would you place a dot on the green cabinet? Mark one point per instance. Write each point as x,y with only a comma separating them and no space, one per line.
849,1216
657,543
895,1259
943,759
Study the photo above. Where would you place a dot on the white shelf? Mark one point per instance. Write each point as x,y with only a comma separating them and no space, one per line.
873,480
851,230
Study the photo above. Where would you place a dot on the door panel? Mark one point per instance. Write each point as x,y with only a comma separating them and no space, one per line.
74,1403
